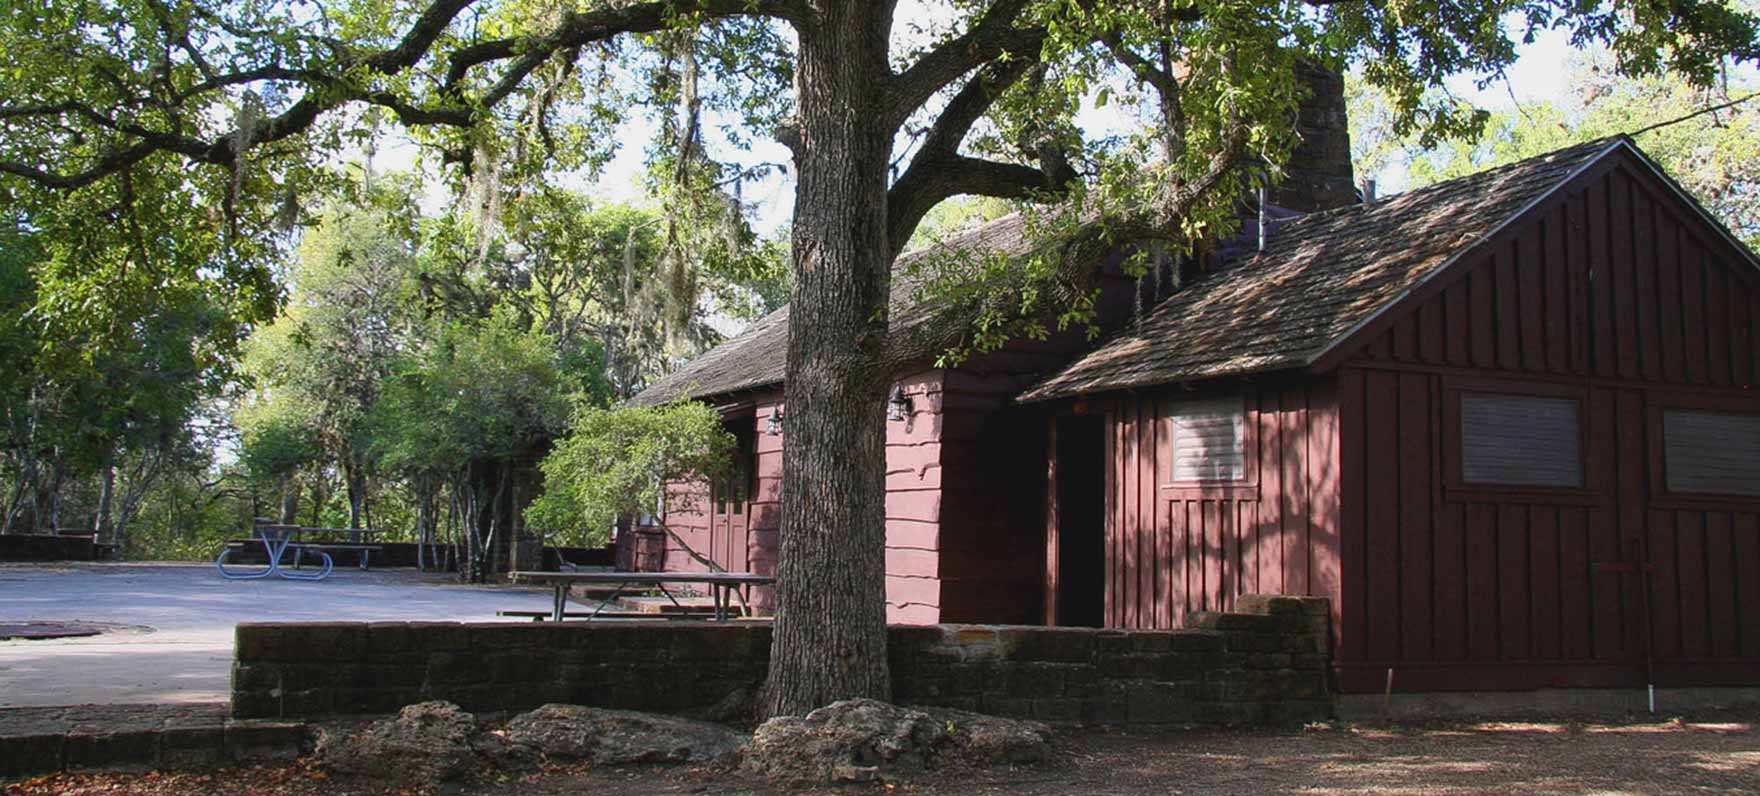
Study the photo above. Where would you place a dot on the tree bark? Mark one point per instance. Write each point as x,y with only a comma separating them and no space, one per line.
829,641
289,513
104,523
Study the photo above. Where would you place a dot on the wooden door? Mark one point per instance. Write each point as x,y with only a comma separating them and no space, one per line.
731,511
1617,628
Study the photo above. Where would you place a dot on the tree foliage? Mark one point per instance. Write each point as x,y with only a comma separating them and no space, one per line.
1707,138
616,463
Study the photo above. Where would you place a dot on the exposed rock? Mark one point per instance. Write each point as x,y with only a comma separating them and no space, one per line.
855,740
619,737
739,707
426,742
984,740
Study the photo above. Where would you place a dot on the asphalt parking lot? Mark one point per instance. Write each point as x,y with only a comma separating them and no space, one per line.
169,626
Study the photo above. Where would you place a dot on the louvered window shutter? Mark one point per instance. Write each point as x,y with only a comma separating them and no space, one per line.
1209,441
1521,441
1711,452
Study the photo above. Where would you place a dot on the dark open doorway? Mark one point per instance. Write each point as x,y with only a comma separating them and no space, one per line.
1081,516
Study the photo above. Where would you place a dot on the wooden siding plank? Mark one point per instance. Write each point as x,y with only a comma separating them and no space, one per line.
1432,338
1556,315
1114,535
1268,529
1129,460
1415,463
1508,321
1229,537
1294,496
1191,564
1150,567
1716,322
1720,586
1323,459
1741,359
1351,533
1596,239
1627,432
1482,318
1531,297
1455,316
1694,310
1381,503
1450,603
1670,298
1166,573
1579,323
1482,593
1621,238
1666,613
1747,576
1405,338
1513,533
1651,333
1574,584
1214,551
1691,583
1544,583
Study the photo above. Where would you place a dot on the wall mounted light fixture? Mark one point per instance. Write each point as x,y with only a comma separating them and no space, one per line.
773,426
898,407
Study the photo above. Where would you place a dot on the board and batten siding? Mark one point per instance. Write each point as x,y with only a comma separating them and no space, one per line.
1173,548
1610,297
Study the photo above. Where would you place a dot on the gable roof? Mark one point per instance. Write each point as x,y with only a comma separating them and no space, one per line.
1319,279
757,357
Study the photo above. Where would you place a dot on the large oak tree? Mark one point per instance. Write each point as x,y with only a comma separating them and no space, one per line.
885,117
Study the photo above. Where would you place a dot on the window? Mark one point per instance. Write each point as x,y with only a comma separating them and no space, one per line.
1209,441
1521,441
732,492
1711,452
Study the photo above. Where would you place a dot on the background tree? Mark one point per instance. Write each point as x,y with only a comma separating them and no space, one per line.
1707,137
507,89
616,463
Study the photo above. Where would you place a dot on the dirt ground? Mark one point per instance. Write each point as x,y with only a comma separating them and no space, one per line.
1715,754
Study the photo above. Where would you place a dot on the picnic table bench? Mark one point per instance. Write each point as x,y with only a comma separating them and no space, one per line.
278,539
721,586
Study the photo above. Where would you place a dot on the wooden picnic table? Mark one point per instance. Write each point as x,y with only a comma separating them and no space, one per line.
721,586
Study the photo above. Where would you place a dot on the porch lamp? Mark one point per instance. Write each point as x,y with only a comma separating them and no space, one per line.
898,407
773,426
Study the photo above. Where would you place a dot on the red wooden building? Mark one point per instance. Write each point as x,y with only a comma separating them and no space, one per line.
1504,422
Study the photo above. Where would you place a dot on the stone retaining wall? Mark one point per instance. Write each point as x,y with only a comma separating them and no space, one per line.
1270,663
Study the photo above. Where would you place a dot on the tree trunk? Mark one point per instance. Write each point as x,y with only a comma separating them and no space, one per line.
356,484
289,513
830,628
103,523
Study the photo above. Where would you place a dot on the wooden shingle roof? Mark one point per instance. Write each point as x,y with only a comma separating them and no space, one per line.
1319,277
757,357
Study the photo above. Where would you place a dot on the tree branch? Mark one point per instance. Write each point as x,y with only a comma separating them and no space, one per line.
342,87
992,35
938,171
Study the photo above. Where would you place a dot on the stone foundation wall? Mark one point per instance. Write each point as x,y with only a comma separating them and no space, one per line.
1270,663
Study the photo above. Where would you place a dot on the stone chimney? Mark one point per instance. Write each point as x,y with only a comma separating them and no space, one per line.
1318,175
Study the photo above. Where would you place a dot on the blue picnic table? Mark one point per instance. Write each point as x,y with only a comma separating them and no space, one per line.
277,540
